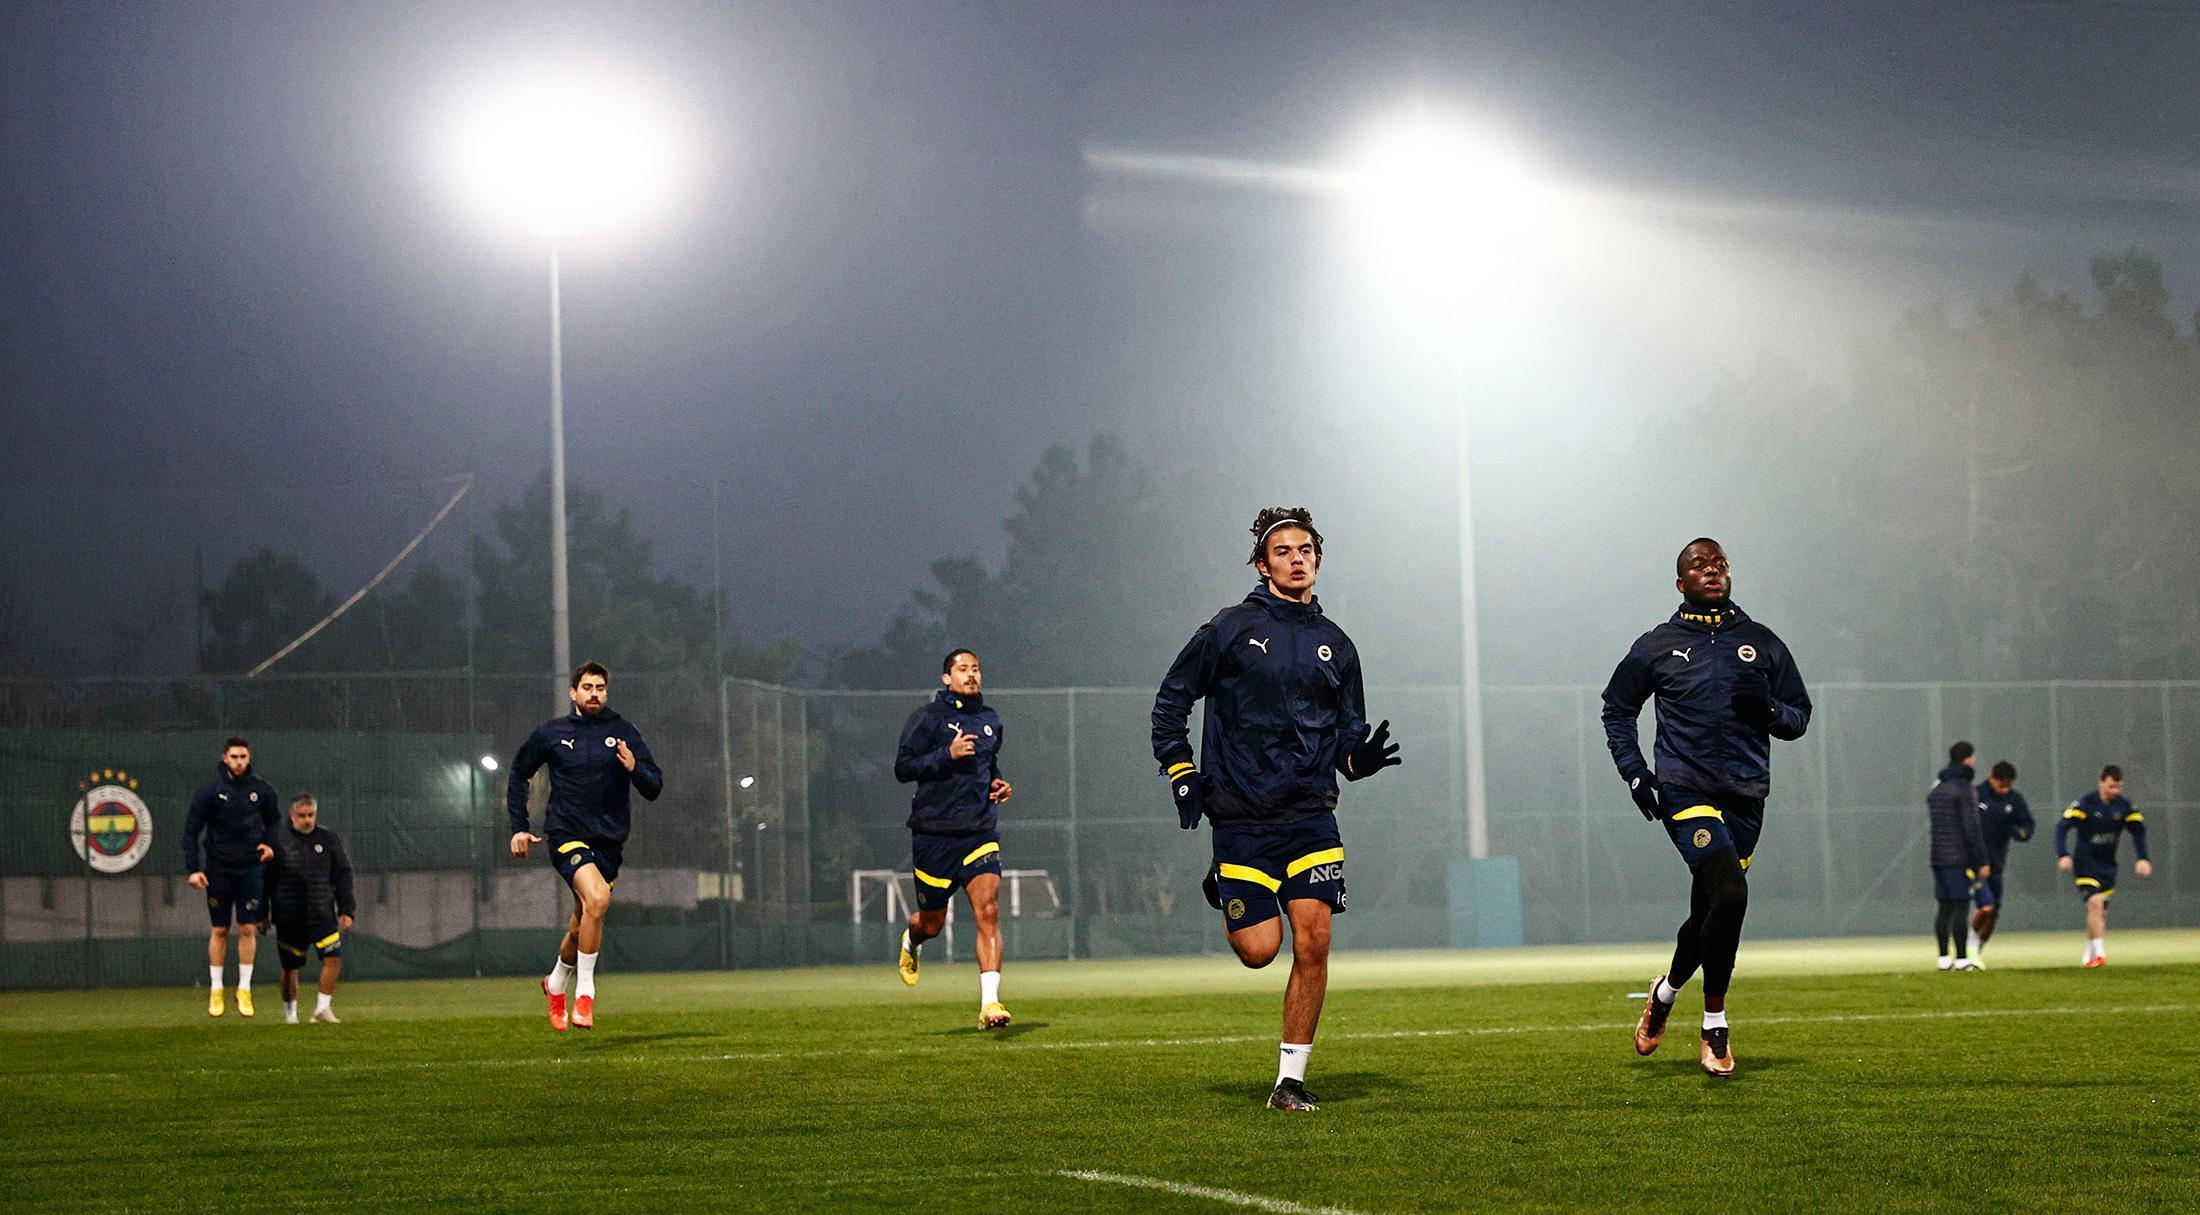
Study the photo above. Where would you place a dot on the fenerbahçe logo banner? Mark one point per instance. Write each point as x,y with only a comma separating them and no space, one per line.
110,825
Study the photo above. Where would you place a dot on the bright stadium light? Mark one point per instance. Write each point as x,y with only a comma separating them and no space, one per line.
488,763
1442,200
563,150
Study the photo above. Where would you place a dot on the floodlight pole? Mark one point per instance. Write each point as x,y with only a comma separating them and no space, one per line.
561,606
1470,635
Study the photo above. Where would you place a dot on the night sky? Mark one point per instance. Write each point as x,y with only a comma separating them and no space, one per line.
237,311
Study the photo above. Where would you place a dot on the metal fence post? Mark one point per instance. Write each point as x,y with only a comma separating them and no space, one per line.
725,783
1075,875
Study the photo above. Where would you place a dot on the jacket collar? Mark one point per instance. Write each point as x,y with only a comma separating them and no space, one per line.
607,714
1956,772
1282,608
1711,621
956,700
222,776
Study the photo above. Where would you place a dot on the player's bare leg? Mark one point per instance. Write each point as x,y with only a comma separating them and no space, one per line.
984,893
248,950
2096,930
1258,945
217,950
591,901
923,926
1302,1001
330,969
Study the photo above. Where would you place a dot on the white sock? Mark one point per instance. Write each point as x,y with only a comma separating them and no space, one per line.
1976,944
989,987
1714,1020
1291,1061
214,977
244,976
321,1001
587,985
560,975
1664,992
915,949
2094,948
290,1010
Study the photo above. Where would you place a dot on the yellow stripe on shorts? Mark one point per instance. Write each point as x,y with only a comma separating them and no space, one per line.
929,880
325,942
1698,812
1246,873
570,845
1312,859
981,850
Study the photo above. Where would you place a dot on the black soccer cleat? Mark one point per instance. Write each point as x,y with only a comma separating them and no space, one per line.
1718,1053
1211,886
1292,1095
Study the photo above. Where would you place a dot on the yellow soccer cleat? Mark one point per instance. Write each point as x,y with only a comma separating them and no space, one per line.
909,964
244,1001
993,1016
214,1005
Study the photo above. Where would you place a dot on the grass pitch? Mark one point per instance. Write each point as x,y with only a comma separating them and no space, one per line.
1450,1081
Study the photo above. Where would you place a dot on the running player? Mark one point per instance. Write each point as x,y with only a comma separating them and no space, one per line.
1957,856
595,756
951,749
237,814
309,897
1285,715
2003,818
1725,687
2099,820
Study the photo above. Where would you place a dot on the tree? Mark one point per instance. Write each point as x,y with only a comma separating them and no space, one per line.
265,601
1090,590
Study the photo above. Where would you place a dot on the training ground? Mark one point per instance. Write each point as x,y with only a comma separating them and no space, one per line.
1500,1080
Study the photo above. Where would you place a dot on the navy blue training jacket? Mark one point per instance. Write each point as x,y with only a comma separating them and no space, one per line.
2099,826
237,816
588,785
1953,811
1284,708
2002,819
1689,664
951,796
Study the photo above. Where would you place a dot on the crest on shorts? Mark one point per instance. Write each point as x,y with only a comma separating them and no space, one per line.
1747,653
110,824
1703,837
1236,910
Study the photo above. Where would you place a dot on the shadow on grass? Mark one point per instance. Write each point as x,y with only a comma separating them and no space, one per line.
597,1040
1327,1087
1015,1029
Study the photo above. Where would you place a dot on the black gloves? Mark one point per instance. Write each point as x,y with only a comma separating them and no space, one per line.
1752,697
1189,789
1644,789
1372,754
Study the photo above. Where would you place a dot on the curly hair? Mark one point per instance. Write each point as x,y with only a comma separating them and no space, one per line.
1272,517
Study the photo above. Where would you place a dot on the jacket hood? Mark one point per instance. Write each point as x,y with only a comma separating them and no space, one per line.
1956,772
1282,608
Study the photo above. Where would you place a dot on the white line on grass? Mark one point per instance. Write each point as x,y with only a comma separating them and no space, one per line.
1236,1198
1472,1031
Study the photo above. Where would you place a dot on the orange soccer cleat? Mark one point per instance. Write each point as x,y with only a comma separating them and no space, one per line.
2099,959
584,1012
557,1007
1718,1052
1650,1029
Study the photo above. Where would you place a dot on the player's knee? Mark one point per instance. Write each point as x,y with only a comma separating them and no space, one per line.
594,903
221,933
1254,957
931,922
1724,881
1311,940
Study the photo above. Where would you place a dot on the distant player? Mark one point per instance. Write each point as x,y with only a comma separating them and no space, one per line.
309,898
951,750
1957,856
1285,715
2003,817
594,756
2099,820
237,814
1725,688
